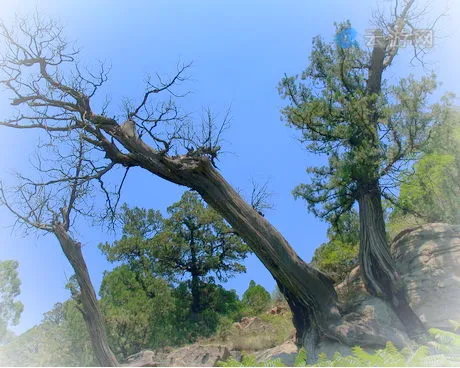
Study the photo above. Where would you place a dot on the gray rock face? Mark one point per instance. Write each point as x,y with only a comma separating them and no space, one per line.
188,356
287,352
145,358
428,260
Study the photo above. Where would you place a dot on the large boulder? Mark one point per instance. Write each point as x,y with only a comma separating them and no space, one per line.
428,260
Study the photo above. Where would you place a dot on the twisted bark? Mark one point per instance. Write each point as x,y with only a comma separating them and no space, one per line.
90,308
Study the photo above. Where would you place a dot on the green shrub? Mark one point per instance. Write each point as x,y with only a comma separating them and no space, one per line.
256,299
336,259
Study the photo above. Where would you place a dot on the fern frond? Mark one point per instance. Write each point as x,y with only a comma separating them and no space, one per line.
417,357
367,359
301,358
274,363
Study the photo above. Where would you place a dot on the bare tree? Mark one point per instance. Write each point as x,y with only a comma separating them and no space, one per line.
35,209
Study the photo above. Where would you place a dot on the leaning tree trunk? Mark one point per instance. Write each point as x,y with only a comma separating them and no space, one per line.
91,312
310,294
376,263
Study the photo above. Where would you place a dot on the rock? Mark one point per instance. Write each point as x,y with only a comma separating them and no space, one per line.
253,323
287,352
188,356
277,310
428,260
144,358
236,355
197,356
371,324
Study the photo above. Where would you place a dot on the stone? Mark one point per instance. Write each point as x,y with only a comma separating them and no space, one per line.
197,356
194,355
428,260
287,352
144,358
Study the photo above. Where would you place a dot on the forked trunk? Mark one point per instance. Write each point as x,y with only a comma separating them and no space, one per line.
91,312
378,269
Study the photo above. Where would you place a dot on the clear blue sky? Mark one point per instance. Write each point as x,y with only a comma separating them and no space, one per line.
240,50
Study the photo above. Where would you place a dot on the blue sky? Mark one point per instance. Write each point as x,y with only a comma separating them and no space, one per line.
240,50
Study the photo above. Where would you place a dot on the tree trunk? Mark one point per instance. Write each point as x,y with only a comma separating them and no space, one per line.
91,312
310,293
195,285
196,300
377,266
307,330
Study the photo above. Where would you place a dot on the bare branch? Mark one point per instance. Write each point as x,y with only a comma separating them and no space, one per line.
260,197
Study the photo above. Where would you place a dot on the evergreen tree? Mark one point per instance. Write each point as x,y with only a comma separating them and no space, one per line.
194,241
138,314
256,298
367,129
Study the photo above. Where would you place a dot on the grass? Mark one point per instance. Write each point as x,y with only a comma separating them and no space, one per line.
265,332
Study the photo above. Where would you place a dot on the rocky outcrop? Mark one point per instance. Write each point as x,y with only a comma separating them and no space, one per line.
195,355
428,261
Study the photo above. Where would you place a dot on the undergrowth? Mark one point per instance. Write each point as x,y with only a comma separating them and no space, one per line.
443,349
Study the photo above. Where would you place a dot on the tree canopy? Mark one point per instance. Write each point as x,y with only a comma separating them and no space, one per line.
193,242
364,135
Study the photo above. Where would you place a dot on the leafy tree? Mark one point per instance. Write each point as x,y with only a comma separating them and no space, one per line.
431,191
61,339
194,241
367,128
256,298
138,314
10,288
339,255
220,308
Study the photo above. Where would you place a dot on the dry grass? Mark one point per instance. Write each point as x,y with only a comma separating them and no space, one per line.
263,332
